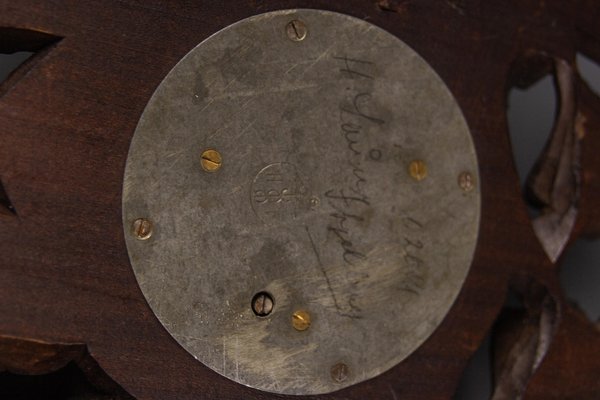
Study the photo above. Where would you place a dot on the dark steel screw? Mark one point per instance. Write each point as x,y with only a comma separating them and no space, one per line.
262,304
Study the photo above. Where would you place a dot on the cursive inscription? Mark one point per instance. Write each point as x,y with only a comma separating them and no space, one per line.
414,273
356,115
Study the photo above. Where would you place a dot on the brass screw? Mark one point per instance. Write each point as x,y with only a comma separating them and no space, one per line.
262,304
339,372
211,160
301,320
142,228
466,181
418,170
296,30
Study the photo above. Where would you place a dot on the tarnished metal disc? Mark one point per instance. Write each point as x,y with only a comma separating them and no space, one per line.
316,159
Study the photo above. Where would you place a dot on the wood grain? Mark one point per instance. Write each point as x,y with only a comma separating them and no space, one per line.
65,128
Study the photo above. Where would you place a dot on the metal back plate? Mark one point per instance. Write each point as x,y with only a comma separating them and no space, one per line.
338,194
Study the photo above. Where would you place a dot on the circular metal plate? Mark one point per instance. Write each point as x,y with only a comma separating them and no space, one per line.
337,193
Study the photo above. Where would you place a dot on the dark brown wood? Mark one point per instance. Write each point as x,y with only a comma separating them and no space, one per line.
34,357
31,357
65,127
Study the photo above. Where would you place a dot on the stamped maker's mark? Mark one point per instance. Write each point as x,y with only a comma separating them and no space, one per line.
278,193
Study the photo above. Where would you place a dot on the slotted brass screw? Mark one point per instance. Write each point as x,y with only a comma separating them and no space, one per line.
339,372
301,320
418,170
211,160
466,181
142,228
296,30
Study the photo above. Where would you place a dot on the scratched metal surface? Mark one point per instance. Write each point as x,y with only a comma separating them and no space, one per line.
313,204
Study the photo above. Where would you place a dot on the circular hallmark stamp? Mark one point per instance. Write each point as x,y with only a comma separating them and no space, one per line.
278,193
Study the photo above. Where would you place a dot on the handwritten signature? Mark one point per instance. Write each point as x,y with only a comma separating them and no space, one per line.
348,201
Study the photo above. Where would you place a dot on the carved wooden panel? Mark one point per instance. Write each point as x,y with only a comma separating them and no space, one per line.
67,290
